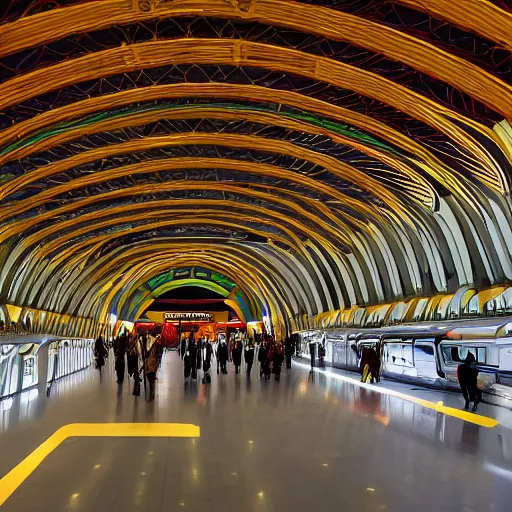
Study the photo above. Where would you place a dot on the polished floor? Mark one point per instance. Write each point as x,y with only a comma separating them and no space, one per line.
308,442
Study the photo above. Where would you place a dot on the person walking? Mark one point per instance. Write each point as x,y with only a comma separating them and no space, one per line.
100,353
467,375
321,355
151,365
222,356
192,351
262,357
183,346
277,360
237,355
120,348
270,349
375,364
249,355
288,351
312,353
133,363
207,363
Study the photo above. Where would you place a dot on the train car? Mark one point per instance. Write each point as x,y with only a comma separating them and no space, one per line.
428,354
31,361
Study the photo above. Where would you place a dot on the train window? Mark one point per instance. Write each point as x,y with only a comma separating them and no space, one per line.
424,350
399,354
456,354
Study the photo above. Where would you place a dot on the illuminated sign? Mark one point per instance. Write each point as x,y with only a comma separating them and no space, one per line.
188,317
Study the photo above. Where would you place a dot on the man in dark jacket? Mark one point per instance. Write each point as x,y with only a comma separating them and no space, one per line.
468,376
208,352
237,355
249,355
288,352
120,348
183,347
262,357
222,356
192,351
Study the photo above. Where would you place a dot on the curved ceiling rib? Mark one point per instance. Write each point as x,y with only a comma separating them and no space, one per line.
479,16
221,51
341,26
422,189
320,157
338,168
219,91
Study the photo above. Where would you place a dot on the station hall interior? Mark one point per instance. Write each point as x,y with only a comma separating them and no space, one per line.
255,255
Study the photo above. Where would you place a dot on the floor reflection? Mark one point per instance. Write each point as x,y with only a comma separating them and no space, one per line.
303,425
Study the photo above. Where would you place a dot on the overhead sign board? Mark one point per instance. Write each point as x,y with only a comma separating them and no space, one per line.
188,317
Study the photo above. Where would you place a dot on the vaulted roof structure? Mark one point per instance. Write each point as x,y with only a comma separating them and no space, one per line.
320,154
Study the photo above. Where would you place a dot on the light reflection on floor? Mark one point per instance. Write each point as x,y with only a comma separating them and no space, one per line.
306,442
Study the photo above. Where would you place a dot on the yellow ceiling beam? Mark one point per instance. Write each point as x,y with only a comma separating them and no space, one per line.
237,141
239,52
238,188
330,23
194,218
423,157
173,165
478,16
419,189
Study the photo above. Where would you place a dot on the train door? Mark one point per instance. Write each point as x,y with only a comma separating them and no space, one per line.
28,361
505,361
425,360
398,358
352,351
454,352
339,350
9,369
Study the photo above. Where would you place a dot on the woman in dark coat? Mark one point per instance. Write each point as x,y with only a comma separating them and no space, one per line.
262,357
270,349
183,347
100,353
133,363
207,363
120,347
468,381
192,350
237,355
249,355
277,360
288,350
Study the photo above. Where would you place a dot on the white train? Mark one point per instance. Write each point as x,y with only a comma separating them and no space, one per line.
29,361
428,354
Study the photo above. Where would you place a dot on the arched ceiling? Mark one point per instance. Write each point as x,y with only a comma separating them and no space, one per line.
320,154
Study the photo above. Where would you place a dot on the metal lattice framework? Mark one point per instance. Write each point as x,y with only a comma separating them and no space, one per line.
321,154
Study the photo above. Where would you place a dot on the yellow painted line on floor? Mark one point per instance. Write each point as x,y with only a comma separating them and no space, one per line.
12,480
482,421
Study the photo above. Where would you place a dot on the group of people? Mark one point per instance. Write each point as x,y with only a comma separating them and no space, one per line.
140,354
369,364
197,354
467,373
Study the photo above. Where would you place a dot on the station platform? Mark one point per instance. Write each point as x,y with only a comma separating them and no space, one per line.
311,441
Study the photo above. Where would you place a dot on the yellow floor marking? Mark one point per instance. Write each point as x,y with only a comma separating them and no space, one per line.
482,421
12,480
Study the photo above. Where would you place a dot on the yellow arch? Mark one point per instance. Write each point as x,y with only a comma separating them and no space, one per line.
393,44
